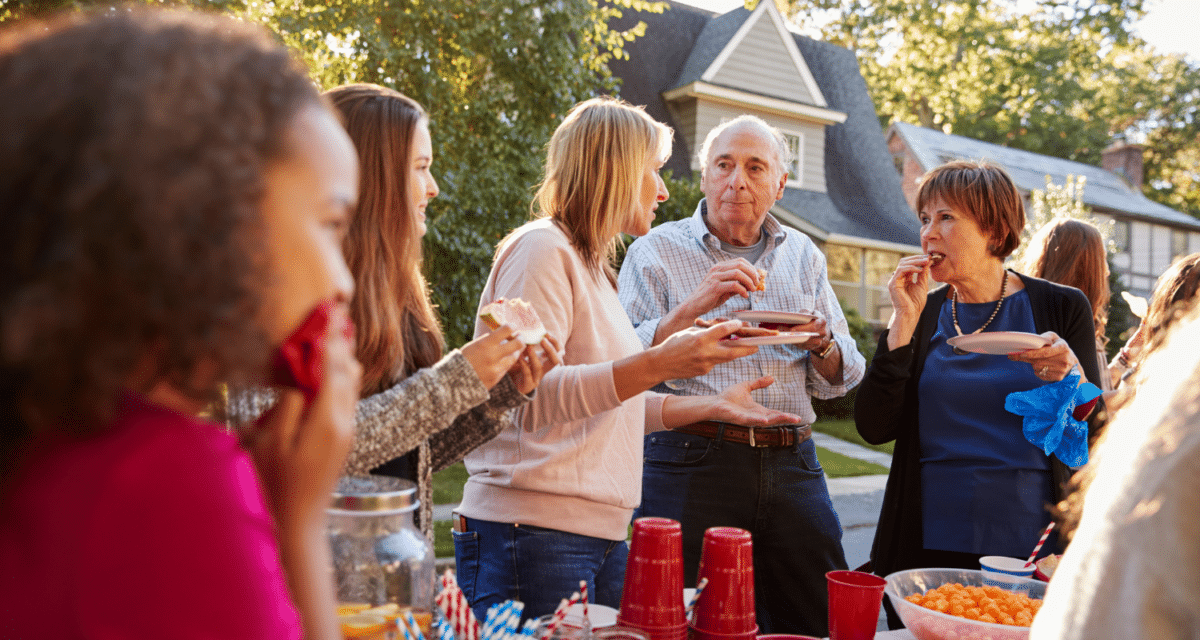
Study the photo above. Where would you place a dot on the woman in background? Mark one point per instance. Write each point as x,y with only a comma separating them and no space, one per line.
173,198
549,500
1071,252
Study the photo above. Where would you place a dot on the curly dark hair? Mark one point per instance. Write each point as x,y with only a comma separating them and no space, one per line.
132,164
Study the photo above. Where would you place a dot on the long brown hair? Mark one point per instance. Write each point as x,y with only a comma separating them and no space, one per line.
1174,294
1071,252
398,331
594,168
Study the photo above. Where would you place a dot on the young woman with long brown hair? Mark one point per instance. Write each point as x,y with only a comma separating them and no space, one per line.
421,410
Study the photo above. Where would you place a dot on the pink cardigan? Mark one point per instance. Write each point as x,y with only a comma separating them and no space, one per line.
573,459
156,528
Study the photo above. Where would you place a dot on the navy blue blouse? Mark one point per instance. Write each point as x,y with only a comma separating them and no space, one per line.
984,486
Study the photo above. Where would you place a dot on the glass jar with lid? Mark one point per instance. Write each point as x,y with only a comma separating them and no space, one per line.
379,556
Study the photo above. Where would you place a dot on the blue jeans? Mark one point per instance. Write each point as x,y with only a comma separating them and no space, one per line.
778,494
539,567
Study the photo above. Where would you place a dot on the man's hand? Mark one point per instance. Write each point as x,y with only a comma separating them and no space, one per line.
818,326
736,406
724,280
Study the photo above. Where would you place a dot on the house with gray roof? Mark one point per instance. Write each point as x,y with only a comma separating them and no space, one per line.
1148,236
693,68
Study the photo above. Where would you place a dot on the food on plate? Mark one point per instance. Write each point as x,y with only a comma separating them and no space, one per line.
761,285
985,604
746,331
1047,565
517,314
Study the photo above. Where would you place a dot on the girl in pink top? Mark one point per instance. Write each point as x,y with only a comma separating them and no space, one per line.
549,500
173,198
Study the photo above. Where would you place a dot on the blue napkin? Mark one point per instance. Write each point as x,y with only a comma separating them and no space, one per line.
1047,419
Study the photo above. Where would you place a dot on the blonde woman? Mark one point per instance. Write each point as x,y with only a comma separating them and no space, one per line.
549,500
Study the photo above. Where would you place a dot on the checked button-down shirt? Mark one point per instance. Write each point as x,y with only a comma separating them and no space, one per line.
663,268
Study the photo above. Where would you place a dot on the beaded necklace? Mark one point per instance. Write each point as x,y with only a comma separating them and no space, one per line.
954,310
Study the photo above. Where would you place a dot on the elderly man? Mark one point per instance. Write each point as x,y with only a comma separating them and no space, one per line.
765,480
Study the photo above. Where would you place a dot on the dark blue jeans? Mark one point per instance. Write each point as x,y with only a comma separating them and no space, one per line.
778,494
498,561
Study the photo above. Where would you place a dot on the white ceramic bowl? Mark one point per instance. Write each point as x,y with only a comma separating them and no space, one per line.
927,624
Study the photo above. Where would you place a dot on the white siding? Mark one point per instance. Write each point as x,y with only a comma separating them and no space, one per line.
1139,246
1160,249
1194,243
761,64
710,114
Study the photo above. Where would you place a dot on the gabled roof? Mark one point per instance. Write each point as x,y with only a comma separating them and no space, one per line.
1104,190
864,200
721,39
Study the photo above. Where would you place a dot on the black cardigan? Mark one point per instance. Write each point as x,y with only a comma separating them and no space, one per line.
885,409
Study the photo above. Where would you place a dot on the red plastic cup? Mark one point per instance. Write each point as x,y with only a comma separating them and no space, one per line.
854,599
652,599
785,636
725,611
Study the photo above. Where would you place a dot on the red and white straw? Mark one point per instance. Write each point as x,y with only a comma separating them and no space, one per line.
1042,541
695,598
583,598
560,614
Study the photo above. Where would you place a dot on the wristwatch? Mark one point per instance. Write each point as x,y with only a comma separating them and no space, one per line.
824,353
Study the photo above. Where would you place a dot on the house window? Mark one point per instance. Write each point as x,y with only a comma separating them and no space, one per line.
1179,243
795,142
1120,235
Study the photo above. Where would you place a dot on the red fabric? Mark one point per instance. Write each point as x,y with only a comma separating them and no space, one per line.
1081,412
156,529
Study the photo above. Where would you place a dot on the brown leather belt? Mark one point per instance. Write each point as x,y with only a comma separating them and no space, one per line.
753,436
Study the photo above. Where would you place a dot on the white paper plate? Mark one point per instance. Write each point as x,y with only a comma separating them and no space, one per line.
781,317
999,343
783,338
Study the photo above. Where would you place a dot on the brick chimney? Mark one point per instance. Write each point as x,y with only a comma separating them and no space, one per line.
1124,160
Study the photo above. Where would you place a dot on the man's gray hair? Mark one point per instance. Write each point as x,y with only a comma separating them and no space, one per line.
783,152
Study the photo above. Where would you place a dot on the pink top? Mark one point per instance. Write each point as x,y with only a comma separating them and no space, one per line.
156,528
572,460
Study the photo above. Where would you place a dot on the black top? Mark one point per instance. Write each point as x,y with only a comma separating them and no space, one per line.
886,408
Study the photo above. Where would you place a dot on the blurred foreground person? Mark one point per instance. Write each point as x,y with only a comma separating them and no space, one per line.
1132,570
173,198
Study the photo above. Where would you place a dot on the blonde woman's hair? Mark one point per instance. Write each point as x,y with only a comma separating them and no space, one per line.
594,168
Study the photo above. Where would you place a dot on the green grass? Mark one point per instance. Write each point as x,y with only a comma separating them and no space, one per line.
845,430
837,465
443,540
448,484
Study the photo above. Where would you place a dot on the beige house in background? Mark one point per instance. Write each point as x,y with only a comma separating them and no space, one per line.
694,68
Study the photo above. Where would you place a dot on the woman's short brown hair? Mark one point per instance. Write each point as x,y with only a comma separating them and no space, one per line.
132,163
983,191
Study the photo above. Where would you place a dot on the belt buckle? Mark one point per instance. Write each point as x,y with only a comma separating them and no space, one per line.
754,444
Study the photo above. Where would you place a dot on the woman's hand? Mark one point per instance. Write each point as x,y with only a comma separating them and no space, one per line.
736,406
695,351
534,362
1053,362
494,354
907,290
299,451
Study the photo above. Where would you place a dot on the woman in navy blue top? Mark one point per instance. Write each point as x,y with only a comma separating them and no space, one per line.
964,481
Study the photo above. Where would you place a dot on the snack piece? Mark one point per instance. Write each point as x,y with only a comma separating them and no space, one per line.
985,604
517,314
364,625
761,285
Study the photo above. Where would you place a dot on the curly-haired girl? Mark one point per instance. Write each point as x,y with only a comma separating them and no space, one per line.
173,197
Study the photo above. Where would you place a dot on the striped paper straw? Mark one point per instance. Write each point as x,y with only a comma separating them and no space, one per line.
412,624
514,618
695,598
529,627
560,614
445,631
1042,541
400,624
583,598
492,620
